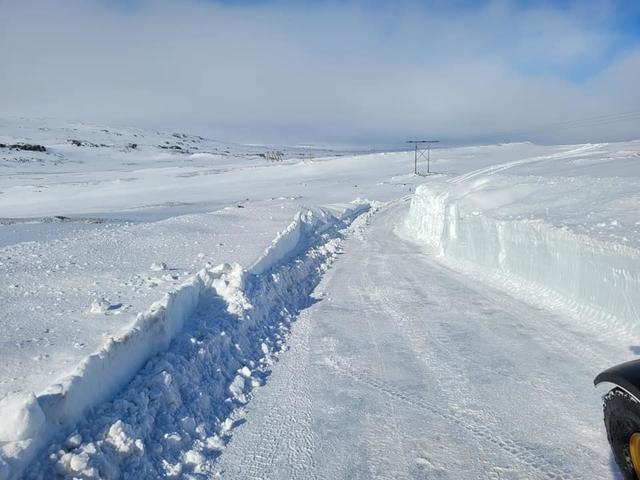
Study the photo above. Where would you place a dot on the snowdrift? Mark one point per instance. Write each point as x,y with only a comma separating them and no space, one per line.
534,237
244,305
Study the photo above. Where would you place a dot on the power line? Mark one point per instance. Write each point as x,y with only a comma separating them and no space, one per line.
594,121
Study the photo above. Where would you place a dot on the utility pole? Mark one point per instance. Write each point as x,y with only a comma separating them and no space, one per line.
422,149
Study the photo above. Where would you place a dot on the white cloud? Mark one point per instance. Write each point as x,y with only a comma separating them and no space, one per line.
281,72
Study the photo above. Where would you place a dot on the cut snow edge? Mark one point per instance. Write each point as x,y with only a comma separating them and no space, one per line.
592,280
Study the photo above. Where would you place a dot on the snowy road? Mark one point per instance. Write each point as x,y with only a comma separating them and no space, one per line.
411,364
405,369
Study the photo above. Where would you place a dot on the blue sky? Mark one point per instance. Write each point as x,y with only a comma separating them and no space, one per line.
365,72
617,21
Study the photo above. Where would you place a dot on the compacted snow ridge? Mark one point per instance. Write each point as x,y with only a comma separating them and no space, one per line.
222,329
532,236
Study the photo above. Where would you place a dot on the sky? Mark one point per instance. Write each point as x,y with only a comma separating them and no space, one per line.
329,72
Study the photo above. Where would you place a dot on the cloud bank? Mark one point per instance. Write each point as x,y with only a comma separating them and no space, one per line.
325,72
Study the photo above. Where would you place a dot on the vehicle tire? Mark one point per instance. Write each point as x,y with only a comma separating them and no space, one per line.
622,420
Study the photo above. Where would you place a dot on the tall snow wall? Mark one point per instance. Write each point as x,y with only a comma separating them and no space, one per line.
547,263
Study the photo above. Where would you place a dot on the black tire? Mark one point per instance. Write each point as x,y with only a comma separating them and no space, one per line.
622,419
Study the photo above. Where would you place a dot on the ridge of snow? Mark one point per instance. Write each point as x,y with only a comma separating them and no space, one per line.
290,241
481,224
277,284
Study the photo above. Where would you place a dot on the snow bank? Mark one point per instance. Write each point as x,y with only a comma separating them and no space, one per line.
488,225
291,241
251,296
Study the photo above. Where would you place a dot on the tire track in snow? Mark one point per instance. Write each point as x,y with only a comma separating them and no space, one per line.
452,380
289,414
556,338
280,442
416,374
493,169
520,453
397,447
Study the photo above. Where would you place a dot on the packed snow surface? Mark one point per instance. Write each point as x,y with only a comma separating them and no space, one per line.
404,368
151,284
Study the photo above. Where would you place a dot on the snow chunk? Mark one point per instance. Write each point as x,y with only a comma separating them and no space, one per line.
188,424
172,471
99,305
237,389
74,440
121,438
193,457
22,418
77,464
158,266
229,285
172,440
215,443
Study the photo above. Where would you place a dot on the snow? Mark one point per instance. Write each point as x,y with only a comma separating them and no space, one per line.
208,371
54,269
150,294
22,418
404,368
539,232
158,266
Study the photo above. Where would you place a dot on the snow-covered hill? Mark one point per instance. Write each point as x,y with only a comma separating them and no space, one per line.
32,144
104,169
